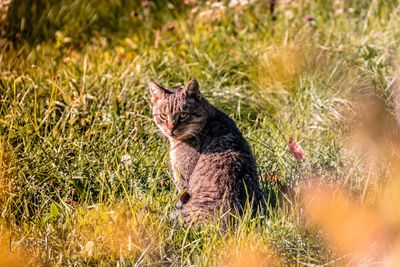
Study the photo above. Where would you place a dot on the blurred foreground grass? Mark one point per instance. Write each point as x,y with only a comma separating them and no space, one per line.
84,173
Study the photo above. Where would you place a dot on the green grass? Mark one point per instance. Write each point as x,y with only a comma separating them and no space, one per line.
84,171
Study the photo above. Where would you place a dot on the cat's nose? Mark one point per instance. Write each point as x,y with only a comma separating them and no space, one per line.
170,126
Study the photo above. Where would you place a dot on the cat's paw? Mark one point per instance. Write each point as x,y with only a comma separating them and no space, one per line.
183,199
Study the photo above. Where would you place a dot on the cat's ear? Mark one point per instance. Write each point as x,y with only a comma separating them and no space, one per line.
157,91
193,89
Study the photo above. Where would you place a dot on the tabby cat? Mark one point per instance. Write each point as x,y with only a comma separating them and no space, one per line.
212,163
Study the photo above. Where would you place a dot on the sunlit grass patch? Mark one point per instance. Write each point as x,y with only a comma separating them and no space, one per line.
281,67
6,172
120,231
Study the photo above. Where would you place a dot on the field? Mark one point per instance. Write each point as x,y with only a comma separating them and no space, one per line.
84,171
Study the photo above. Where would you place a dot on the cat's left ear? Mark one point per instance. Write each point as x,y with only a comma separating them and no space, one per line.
193,89
157,91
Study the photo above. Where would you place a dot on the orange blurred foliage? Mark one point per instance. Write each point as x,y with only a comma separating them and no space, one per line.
249,251
12,254
361,232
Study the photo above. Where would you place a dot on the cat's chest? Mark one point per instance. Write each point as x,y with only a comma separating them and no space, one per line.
183,159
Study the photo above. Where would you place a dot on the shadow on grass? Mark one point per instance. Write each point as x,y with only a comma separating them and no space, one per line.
33,22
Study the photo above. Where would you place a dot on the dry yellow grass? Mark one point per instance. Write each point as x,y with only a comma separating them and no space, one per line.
119,231
281,67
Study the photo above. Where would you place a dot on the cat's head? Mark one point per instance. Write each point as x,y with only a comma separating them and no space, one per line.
180,113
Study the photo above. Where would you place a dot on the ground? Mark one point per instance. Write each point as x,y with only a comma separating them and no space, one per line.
84,170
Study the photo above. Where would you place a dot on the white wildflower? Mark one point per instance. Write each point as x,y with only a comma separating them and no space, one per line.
218,5
234,3
111,179
126,159
289,14
107,117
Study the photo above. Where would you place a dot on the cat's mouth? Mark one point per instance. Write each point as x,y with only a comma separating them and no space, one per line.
171,134
179,134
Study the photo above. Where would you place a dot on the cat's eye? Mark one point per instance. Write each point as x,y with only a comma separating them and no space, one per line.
183,116
163,116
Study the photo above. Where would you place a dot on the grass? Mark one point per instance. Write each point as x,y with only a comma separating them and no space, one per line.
84,171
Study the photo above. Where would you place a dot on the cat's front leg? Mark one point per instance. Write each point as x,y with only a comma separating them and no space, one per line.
180,180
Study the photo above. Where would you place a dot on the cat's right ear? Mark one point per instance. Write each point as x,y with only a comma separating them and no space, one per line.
157,91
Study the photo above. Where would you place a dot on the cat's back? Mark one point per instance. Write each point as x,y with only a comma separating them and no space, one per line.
224,152
226,168
221,133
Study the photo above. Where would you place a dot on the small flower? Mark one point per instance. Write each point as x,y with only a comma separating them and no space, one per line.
126,159
134,14
182,61
218,5
296,150
163,182
88,249
308,18
107,117
111,179
138,68
145,4
234,3
169,26
190,2
170,6
289,14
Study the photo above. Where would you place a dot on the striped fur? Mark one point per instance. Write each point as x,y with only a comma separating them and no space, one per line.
212,163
